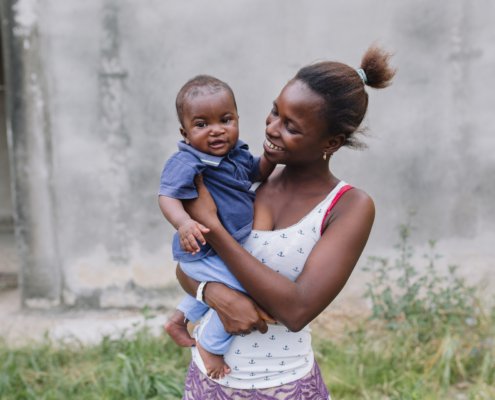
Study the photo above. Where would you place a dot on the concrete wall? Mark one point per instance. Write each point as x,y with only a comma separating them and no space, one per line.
105,73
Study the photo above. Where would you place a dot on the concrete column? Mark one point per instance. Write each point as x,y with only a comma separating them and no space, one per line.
5,192
115,136
30,148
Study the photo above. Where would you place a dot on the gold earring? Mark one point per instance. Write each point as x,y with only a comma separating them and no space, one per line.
186,140
325,155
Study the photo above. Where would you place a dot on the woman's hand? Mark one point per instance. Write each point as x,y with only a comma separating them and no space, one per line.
202,209
238,313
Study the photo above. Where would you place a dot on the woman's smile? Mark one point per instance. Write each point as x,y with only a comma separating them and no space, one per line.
271,146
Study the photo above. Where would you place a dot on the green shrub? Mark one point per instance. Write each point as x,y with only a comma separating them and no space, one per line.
402,293
434,323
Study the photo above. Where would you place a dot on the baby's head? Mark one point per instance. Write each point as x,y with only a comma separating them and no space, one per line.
207,113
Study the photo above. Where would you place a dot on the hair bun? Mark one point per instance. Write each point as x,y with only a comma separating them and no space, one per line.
375,64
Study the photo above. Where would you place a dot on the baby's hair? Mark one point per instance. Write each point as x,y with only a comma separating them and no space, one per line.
200,84
343,90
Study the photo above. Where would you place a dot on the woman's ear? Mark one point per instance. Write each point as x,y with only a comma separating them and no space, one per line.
334,143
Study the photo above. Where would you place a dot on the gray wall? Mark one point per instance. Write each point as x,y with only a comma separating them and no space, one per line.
106,74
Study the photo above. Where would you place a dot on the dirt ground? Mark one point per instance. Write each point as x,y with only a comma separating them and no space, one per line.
19,326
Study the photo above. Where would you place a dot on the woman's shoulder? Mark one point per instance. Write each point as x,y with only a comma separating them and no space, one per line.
356,204
357,198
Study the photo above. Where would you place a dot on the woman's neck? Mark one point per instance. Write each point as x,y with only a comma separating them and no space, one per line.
313,178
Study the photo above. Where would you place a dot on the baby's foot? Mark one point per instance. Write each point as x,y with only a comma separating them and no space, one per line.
214,364
176,327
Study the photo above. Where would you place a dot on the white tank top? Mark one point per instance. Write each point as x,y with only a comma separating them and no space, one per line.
279,356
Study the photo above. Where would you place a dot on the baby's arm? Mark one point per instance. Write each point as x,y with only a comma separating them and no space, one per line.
190,231
266,168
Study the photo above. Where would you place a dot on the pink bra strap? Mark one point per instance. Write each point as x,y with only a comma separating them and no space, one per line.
339,194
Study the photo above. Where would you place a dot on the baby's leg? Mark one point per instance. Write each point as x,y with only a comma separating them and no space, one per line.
176,327
211,269
189,309
212,344
213,341
192,308
216,368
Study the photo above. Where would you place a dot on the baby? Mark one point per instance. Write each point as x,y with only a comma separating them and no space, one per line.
207,112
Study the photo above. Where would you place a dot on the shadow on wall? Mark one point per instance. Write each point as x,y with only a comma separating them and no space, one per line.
9,262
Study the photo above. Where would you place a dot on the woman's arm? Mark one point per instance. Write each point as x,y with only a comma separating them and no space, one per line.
189,230
325,272
238,313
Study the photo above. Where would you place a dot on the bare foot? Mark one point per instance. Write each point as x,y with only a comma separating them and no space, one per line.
215,365
176,327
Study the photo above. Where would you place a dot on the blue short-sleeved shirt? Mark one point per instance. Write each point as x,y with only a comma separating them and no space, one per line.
228,179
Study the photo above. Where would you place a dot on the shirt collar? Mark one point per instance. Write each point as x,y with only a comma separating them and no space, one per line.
209,159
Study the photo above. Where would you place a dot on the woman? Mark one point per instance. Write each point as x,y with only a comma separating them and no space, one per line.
309,231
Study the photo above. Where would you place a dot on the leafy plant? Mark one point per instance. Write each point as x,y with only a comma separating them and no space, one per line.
434,315
402,293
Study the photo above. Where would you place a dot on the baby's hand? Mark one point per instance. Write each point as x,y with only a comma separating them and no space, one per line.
190,232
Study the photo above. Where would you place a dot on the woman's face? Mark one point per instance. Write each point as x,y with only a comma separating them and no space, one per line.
295,127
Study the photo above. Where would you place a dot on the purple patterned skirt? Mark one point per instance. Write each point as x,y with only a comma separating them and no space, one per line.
310,387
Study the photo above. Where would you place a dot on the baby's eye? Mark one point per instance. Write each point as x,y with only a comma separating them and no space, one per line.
200,124
274,111
226,120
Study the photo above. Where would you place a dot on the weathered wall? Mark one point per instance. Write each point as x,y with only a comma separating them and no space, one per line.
111,70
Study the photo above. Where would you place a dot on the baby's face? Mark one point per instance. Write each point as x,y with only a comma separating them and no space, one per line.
210,122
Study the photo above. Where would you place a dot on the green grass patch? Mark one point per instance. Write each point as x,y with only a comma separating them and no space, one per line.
144,367
372,362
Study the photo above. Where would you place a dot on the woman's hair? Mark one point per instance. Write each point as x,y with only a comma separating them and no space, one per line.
200,84
343,90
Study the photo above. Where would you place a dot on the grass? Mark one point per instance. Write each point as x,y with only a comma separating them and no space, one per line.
428,337
144,367
376,363
371,362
